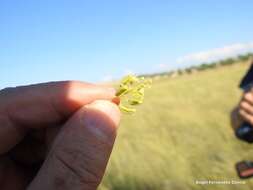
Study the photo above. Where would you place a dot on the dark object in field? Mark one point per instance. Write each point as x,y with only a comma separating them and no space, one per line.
245,131
244,169
247,79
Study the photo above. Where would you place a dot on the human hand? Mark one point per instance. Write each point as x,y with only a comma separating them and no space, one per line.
56,135
245,108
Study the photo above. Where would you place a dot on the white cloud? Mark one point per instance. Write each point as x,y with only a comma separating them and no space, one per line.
217,53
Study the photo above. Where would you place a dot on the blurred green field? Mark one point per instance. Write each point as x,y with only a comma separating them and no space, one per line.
181,134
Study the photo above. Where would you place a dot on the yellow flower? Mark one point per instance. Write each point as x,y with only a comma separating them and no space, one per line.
131,92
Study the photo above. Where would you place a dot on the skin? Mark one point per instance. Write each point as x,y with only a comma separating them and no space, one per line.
56,135
243,111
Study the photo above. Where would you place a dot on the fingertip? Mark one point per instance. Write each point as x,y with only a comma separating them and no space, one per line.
116,100
108,108
248,97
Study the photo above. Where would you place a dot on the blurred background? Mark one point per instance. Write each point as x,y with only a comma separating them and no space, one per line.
195,51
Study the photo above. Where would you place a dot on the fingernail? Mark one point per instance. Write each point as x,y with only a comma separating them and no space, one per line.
116,100
102,118
108,108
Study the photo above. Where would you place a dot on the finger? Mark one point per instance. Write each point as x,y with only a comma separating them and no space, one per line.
29,152
41,105
13,177
247,107
246,116
116,100
248,97
80,153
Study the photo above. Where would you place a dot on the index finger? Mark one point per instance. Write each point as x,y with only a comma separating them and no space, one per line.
40,105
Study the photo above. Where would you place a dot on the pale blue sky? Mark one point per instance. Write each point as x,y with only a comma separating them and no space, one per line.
92,40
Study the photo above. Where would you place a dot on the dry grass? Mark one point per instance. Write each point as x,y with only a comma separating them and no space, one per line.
181,134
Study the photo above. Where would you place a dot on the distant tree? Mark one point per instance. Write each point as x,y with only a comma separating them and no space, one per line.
228,61
244,57
203,66
180,71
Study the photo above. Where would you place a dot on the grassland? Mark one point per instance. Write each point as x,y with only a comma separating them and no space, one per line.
181,134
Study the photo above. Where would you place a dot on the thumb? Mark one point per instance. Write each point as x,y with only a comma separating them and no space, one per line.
79,155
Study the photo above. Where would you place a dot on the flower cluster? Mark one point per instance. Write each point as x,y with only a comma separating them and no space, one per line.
131,92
